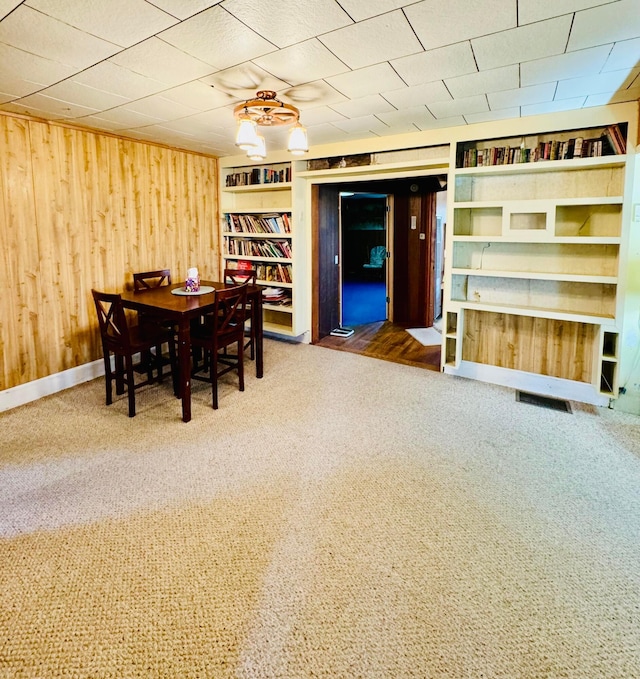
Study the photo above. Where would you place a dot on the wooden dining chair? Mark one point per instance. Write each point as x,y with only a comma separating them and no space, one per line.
142,282
238,277
124,340
224,328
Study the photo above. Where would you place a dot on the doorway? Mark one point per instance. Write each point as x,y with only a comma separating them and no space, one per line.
363,258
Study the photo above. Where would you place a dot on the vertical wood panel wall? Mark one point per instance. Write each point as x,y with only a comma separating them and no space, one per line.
81,210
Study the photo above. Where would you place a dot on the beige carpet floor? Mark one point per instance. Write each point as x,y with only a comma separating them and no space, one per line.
343,517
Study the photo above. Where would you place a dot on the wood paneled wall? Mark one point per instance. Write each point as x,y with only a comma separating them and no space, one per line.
80,210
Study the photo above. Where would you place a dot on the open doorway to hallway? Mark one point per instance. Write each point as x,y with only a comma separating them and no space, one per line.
363,258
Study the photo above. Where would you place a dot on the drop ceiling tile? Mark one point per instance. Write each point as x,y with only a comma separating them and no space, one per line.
7,5
286,22
604,24
438,23
368,80
625,54
419,94
183,9
4,97
459,107
319,116
82,95
605,82
312,94
538,10
356,108
553,106
198,95
564,66
22,73
34,32
325,134
158,106
605,98
435,124
122,118
494,80
534,41
244,80
217,38
368,43
488,116
363,124
157,59
108,77
522,96
437,64
309,60
57,107
123,22
17,107
365,9
414,116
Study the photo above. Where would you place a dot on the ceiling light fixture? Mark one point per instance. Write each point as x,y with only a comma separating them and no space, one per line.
267,111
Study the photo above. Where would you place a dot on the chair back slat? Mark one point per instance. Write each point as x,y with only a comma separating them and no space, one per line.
240,276
230,304
111,318
147,280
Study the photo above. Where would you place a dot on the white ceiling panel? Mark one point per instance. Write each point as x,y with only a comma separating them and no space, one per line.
57,107
522,96
534,41
368,42
183,9
34,32
552,106
359,10
171,71
123,22
607,23
217,38
440,23
624,54
157,59
22,73
355,108
606,82
505,78
487,116
437,64
420,94
286,22
417,116
564,66
369,80
459,107
538,10
309,60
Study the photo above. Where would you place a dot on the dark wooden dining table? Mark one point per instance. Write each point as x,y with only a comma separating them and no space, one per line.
181,309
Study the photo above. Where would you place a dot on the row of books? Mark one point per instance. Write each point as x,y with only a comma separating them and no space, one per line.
259,175
271,223
258,248
610,142
276,273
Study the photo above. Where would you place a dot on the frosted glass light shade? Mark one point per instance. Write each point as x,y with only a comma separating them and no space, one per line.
298,143
258,152
247,134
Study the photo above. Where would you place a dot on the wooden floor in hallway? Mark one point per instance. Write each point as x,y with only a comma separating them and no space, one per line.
387,341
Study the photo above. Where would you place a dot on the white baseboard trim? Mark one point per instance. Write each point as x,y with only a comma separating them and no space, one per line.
32,391
537,384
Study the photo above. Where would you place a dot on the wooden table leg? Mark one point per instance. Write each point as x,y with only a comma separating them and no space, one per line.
184,359
256,320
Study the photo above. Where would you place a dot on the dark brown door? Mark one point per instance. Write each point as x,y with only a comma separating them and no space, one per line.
326,274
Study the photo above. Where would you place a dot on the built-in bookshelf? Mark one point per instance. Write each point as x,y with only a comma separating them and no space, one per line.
258,233
532,276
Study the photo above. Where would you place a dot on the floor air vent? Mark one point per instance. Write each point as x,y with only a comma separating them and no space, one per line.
543,401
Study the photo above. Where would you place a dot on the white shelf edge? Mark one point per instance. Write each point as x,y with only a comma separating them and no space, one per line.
274,284
424,163
557,202
530,275
255,258
257,211
265,236
560,240
274,186
277,307
531,311
545,165
278,329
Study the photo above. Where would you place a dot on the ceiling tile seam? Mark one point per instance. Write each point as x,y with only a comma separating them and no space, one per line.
566,46
413,30
345,11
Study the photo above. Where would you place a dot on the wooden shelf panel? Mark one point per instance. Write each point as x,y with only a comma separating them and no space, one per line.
536,312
